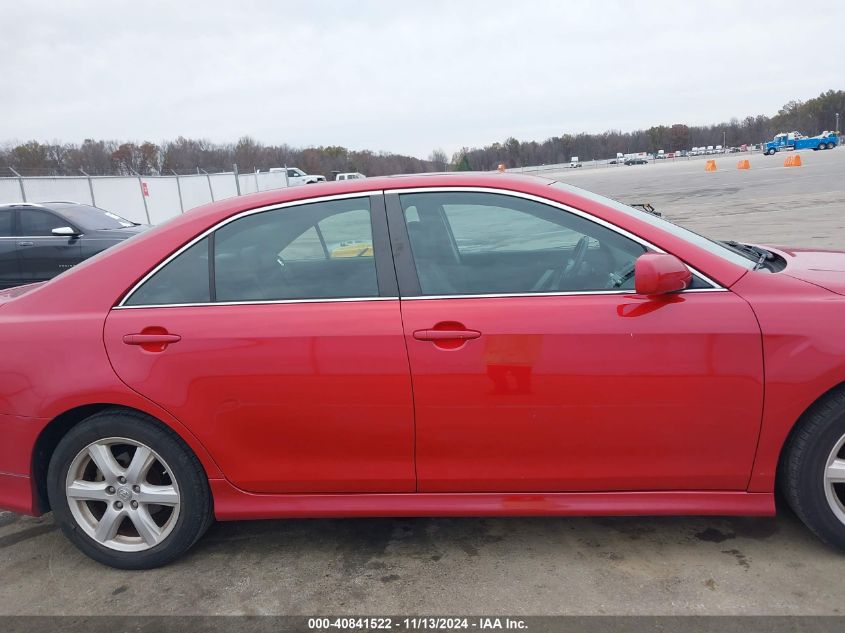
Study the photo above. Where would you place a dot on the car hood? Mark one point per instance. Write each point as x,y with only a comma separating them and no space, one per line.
825,268
122,233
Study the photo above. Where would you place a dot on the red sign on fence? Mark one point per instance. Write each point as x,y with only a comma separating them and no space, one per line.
145,189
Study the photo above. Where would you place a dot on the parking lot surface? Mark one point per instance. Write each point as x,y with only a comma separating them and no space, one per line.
769,203
517,566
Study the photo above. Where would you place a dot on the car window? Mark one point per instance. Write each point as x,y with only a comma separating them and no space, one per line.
35,223
310,251
305,247
182,280
347,234
478,243
710,245
90,218
5,223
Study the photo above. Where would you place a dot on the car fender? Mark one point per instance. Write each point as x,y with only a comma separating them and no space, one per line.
67,370
804,356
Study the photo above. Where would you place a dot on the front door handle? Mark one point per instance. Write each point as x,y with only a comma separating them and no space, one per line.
26,243
446,335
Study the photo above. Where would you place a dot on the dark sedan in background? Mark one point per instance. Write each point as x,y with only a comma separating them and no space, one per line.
39,241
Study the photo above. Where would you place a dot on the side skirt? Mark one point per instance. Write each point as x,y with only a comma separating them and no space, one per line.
233,504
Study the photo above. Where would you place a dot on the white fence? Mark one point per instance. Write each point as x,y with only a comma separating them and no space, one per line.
145,199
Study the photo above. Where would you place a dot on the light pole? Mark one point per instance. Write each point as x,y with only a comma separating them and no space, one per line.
724,140
837,124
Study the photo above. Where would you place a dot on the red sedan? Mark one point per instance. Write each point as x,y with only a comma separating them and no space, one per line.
423,345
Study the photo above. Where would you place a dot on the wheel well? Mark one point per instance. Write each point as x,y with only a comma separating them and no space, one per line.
797,427
49,439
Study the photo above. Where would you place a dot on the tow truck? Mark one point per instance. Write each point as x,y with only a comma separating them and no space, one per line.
795,140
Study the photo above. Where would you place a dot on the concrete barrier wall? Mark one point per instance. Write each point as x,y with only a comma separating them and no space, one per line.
166,197
119,195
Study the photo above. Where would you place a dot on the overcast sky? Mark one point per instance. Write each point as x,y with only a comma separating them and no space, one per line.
404,76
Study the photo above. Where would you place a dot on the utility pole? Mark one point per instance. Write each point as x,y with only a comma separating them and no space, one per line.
20,184
210,190
90,187
724,140
179,191
837,124
237,179
143,195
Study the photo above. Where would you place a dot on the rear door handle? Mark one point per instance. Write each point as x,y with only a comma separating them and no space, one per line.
151,339
446,335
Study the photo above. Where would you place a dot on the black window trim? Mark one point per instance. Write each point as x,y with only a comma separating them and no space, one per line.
406,272
385,273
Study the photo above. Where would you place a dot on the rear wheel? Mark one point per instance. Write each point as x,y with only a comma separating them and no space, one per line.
127,491
813,469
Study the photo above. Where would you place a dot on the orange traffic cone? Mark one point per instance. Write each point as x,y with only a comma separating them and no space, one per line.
710,166
743,164
792,161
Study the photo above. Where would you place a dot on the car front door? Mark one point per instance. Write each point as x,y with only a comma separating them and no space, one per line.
536,367
277,339
42,254
10,272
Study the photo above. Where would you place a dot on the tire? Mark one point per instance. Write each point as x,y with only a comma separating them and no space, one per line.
818,439
823,146
769,152
144,534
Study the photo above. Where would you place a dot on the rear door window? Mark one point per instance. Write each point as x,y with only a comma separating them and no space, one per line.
37,223
316,250
184,279
5,223
310,251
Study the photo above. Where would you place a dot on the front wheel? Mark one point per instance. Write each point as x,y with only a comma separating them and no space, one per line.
813,469
127,491
769,152
822,145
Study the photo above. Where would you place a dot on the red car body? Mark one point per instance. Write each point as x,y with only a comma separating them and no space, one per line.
678,404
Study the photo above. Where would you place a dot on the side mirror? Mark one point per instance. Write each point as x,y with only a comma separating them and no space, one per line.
660,273
65,231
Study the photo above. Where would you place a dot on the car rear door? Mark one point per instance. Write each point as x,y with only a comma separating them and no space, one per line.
42,254
536,368
10,272
281,349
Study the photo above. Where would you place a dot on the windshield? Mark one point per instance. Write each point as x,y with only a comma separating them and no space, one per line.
90,218
711,246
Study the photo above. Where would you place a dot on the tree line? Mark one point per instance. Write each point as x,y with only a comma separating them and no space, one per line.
184,155
809,117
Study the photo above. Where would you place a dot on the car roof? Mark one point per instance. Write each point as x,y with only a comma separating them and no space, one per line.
41,205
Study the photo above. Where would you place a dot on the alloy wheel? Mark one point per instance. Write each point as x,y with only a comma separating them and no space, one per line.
834,479
121,493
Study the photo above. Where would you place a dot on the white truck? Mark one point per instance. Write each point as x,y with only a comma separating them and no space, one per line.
352,175
296,176
574,162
